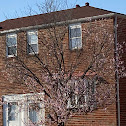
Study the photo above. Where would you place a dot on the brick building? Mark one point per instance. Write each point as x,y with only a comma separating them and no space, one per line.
18,34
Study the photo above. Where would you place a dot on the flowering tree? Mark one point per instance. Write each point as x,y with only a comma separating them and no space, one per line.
73,79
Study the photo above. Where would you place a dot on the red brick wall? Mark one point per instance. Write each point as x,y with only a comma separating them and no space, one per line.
100,117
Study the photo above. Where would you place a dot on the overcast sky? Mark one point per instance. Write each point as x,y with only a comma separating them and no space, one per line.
16,8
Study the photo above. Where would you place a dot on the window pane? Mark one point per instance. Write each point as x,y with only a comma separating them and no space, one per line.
33,112
33,48
79,43
81,99
73,100
76,43
32,39
11,41
12,113
72,33
12,50
33,115
73,43
76,32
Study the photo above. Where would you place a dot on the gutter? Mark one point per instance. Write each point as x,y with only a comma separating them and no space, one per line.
116,73
87,19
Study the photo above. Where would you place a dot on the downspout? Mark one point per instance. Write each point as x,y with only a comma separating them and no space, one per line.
116,73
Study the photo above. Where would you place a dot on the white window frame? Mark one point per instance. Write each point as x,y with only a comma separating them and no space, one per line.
73,26
23,115
32,32
9,36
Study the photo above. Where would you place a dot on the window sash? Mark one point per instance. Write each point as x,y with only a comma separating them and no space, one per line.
12,114
33,112
75,32
12,50
32,38
11,41
76,43
32,48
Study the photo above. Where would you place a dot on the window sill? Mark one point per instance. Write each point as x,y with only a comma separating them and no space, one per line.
29,55
11,56
76,49
36,53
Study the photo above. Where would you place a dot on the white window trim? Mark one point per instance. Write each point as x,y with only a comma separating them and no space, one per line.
7,35
30,32
17,98
72,26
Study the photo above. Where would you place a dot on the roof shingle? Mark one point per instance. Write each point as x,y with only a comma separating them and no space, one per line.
75,13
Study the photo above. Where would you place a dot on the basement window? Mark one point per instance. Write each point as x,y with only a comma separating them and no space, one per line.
11,45
32,42
75,36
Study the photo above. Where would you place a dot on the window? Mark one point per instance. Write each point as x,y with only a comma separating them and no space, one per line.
23,109
75,36
11,45
83,97
33,114
12,115
32,43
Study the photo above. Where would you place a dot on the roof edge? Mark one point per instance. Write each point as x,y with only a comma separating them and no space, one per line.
63,22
